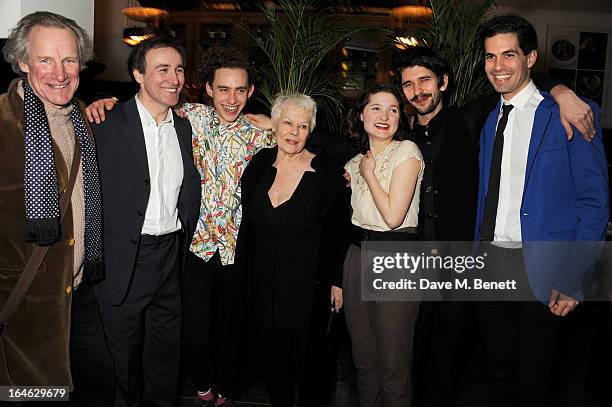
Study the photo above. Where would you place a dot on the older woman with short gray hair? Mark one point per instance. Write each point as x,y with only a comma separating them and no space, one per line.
293,219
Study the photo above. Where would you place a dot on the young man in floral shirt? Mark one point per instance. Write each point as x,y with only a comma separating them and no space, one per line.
214,282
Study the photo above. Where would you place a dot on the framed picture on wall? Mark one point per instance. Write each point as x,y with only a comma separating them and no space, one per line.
579,58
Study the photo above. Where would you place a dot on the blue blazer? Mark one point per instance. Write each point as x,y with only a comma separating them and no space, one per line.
565,200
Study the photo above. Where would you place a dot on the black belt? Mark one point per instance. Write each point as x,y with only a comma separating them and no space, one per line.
359,235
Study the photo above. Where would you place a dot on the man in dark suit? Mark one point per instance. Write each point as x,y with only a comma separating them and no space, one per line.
150,189
535,186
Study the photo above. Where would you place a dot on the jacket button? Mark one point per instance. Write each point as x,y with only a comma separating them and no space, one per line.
68,289
71,242
147,183
428,189
134,240
140,212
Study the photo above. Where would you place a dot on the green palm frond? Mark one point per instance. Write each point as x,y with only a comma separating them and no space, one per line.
296,47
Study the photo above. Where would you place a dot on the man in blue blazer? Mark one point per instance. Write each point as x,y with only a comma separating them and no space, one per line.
535,186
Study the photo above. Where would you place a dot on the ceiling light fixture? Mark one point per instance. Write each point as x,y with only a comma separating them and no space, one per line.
136,35
405,42
410,10
145,14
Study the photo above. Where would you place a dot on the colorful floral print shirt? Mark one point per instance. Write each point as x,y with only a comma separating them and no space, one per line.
221,153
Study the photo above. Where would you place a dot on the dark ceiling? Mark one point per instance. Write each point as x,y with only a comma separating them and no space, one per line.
252,5
598,6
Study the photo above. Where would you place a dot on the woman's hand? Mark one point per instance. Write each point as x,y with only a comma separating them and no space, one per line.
260,121
393,205
347,177
336,297
367,165
96,111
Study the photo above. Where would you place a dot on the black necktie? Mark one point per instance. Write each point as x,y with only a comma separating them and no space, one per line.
487,229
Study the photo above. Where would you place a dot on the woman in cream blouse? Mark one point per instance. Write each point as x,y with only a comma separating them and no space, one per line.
385,183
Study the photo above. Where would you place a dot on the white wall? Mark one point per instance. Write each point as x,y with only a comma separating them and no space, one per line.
542,18
105,31
10,13
82,11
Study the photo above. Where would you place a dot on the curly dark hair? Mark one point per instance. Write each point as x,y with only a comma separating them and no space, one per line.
353,125
218,57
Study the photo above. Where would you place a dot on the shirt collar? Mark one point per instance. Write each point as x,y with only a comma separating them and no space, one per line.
148,120
238,123
434,123
519,101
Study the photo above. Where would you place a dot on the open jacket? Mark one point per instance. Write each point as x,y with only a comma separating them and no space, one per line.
565,200
126,186
34,344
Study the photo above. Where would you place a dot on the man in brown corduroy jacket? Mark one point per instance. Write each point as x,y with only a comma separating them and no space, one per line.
41,134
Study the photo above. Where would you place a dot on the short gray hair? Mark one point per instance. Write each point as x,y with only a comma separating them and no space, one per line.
297,99
16,48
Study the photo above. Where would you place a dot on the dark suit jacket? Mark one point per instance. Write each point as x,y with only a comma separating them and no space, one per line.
455,178
125,182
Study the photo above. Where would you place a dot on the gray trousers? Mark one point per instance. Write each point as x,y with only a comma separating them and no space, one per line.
381,335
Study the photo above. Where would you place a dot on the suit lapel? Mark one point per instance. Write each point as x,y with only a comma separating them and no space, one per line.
540,124
183,132
134,135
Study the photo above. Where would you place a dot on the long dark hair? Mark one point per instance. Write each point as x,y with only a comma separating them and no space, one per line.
353,125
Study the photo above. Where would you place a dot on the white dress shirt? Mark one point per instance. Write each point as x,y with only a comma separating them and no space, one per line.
165,171
517,136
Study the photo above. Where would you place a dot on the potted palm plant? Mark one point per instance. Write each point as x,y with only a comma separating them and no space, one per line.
296,48
452,30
